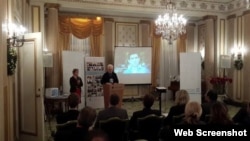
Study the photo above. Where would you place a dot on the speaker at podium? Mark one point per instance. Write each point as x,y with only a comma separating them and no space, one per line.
109,89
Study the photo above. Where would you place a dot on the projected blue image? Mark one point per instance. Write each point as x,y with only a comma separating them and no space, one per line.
133,63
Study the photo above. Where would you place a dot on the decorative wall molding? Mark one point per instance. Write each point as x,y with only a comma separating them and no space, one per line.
246,12
52,5
109,20
223,6
126,34
210,17
231,16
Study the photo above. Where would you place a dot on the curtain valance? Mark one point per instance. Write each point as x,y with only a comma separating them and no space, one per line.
81,27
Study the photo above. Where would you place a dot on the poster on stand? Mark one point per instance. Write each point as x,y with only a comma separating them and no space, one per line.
190,71
94,69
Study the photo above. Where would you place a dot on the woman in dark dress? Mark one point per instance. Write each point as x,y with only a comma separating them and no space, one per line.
76,83
178,109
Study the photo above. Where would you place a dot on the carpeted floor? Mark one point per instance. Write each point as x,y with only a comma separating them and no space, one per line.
131,106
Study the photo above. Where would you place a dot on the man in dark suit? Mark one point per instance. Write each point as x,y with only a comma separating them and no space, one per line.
112,111
109,76
72,114
148,101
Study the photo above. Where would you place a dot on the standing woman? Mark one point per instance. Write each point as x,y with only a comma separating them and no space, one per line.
76,84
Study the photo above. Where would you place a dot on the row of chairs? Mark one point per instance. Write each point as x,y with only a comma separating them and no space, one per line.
148,128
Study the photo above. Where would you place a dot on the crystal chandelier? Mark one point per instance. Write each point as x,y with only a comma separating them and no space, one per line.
170,25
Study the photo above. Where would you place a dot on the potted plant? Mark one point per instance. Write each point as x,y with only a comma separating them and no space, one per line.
11,60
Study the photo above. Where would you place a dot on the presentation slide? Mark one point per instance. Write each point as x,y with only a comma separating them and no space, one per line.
133,64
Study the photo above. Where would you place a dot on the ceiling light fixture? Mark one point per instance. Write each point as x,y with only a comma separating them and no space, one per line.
170,25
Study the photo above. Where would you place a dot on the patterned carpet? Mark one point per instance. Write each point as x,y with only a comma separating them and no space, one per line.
131,106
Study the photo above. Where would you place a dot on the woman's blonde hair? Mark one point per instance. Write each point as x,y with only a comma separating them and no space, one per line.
182,97
193,112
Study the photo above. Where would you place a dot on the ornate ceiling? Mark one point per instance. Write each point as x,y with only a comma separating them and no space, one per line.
151,8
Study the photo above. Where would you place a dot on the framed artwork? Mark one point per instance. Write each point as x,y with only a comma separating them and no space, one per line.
126,34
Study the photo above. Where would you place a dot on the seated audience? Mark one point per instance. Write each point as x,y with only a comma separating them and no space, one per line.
72,113
148,101
112,111
219,115
210,98
242,117
85,120
181,100
97,135
193,113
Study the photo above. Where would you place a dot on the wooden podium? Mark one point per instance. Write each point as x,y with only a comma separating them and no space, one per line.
109,89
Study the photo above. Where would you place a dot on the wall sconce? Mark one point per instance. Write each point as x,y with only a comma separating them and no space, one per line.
15,39
237,53
15,35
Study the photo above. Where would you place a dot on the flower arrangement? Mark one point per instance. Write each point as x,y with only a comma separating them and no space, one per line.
11,60
220,80
219,83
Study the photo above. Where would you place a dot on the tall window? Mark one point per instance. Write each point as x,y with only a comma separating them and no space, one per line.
80,44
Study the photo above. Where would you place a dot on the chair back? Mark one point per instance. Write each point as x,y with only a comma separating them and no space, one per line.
64,131
207,118
149,127
178,118
115,128
70,125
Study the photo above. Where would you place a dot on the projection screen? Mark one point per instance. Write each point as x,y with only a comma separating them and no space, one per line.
133,64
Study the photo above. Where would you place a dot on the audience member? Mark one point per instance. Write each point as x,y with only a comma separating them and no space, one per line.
181,100
97,135
112,111
210,98
193,113
242,117
85,120
72,113
219,115
148,101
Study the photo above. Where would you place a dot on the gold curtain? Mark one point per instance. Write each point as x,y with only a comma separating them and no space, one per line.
156,47
95,46
81,27
64,43
181,45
